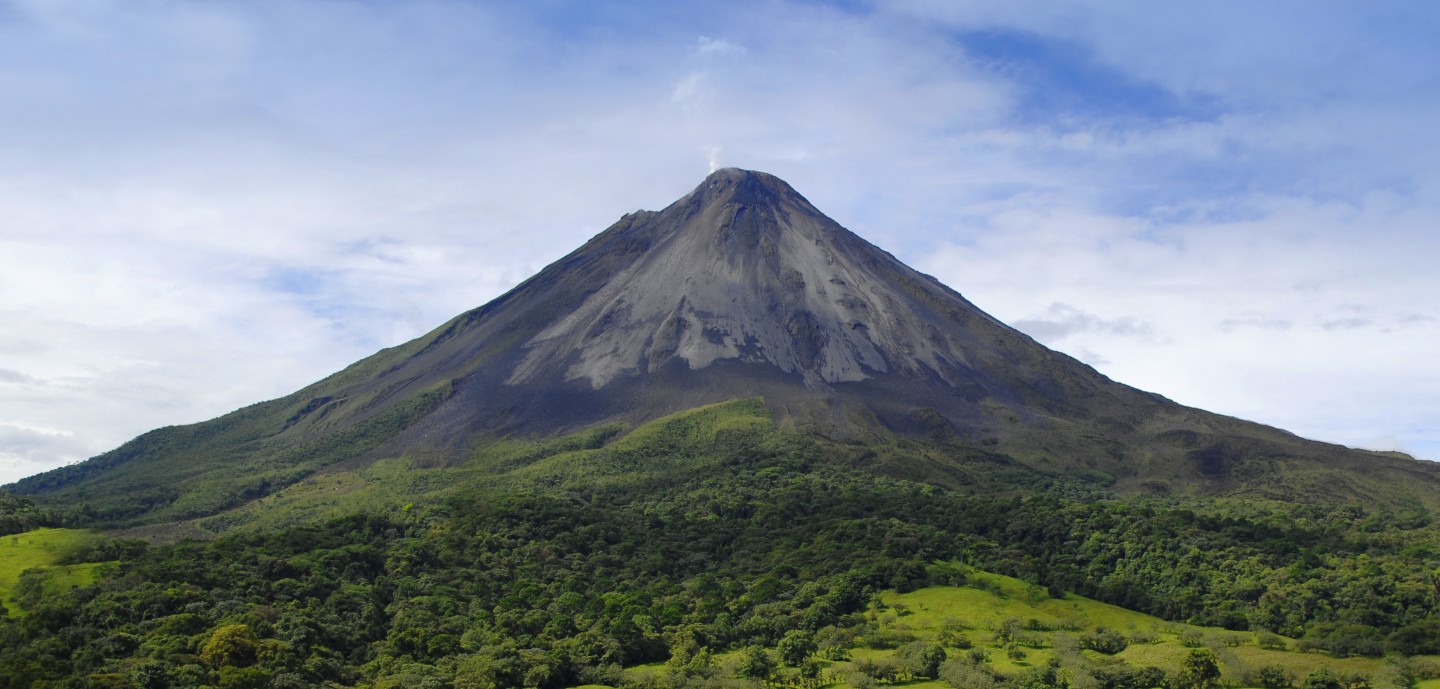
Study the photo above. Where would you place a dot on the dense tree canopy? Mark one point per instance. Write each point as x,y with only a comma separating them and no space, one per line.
767,549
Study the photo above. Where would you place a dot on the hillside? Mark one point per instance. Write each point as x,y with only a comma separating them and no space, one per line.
707,537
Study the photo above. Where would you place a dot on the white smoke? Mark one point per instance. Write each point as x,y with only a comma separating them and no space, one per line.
714,152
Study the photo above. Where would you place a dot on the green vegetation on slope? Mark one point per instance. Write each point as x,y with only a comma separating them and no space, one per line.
30,565
214,465
1022,630
185,472
719,545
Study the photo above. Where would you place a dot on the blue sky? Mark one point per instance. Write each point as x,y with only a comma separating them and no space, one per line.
207,204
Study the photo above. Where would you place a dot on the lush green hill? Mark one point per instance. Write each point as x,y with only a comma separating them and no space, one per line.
699,543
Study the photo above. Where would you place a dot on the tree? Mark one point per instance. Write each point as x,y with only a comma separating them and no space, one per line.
150,674
1008,631
1149,677
755,663
234,677
1356,680
688,658
30,588
1274,677
795,647
230,645
1199,670
922,659
1417,638
966,675
1322,678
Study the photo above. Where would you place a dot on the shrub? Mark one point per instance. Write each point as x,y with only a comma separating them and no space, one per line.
962,675
884,639
1144,637
1355,680
1322,678
1103,640
1270,641
1272,677
958,641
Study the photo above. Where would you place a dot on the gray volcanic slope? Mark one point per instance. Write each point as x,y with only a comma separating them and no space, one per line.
740,289
746,269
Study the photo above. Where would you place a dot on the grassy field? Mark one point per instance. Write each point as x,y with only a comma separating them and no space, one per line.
991,598
43,548
961,617
972,614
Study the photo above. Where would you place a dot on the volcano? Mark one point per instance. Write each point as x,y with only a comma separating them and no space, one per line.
740,289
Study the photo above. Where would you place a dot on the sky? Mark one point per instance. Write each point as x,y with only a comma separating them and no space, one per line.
206,204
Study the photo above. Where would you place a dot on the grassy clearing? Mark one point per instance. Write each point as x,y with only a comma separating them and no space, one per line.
977,610
993,598
972,615
43,548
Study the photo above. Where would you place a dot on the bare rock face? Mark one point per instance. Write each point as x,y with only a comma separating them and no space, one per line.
745,269
740,288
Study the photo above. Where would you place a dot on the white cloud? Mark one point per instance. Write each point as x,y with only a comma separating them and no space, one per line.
1292,318
208,205
689,89
713,46
26,449
1060,321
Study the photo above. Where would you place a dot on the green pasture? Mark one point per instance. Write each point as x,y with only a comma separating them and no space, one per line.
44,548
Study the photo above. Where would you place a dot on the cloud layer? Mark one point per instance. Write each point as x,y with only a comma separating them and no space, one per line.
203,205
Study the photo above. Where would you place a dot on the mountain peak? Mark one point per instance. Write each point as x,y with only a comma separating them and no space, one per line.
735,175
743,270
748,188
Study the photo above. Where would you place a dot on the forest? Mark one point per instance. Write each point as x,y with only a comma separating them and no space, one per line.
766,563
